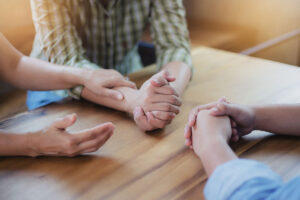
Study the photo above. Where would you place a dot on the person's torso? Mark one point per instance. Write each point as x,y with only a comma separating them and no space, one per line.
110,35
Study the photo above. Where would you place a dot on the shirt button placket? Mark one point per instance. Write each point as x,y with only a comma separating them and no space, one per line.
109,39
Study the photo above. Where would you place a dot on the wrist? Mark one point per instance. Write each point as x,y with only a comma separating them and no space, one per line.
83,76
215,153
32,144
131,98
75,76
210,142
256,110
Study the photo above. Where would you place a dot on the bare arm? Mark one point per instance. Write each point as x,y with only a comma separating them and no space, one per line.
126,105
12,144
182,73
55,140
34,74
171,38
215,153
210,141
148,96
279,119
30,73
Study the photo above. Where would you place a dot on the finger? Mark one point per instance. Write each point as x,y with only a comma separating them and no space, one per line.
155,122
159,82
168,76
188,142
112,94
124,83
140,119
172,99
159,79
166,107
95,144
223,108
187,132
92,133
223,99
171,79
220,109
194,112
235,131
233,123
163,115
193,117
235,138
167,89
167,121
63,123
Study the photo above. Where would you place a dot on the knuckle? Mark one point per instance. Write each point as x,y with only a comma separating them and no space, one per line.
174,100
95,148
70,152
171,91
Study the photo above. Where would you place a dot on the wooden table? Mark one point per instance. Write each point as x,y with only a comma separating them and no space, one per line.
135,165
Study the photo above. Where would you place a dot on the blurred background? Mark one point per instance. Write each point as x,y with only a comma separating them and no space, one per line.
266,29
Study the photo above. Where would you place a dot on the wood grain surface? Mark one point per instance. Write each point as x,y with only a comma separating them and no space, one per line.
157,165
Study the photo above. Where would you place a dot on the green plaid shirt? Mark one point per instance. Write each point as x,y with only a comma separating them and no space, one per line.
82,33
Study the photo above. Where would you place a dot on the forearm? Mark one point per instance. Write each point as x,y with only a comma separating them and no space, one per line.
181,72
279,119
215,152
14,145
30,73
36,74
126,105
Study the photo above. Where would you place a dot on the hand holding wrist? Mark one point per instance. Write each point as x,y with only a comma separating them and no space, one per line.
104,83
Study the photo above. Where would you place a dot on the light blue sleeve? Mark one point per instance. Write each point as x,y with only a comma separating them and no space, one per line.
229,177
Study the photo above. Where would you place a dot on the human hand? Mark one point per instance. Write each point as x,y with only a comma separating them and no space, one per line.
242,118
103,81
210,130
55,140
158,103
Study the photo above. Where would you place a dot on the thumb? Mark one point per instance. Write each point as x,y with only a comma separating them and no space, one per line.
221,109
139,114
224,108
112,94
140,118
159,82
63,123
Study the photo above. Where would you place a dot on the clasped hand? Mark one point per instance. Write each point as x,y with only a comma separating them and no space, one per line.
157,102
